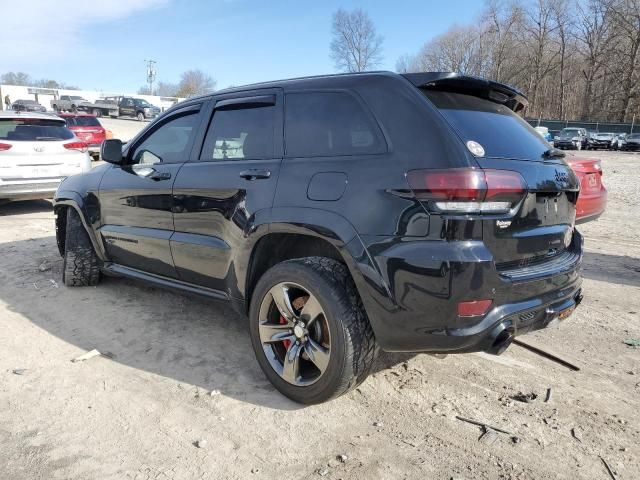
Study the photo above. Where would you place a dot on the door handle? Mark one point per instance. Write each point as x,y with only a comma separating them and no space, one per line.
255,174
160,176
151,173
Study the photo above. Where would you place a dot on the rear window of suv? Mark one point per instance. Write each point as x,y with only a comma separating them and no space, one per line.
82,122
33,129
501,132
324,124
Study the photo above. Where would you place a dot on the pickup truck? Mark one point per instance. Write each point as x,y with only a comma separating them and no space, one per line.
133,107
74,103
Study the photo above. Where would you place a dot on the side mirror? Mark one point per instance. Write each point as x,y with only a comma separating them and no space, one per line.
111,151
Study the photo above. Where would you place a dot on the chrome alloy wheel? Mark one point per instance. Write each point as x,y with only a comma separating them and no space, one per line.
294,334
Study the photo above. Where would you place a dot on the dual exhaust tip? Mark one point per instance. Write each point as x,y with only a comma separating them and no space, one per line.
502,339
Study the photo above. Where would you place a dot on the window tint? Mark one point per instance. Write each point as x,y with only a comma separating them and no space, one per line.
500,131
33,129
240,133
328,124
169,143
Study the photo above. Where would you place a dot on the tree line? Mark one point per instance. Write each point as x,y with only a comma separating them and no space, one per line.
24,79
574,59
192,82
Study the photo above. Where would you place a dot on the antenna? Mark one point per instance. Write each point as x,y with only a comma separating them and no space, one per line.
151,74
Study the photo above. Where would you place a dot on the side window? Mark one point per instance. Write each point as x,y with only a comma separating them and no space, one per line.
169,143
245,133
320,124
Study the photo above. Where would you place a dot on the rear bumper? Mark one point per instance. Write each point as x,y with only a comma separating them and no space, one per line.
29,190
425,280
590,207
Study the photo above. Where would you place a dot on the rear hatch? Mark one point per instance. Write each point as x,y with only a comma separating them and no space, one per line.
538,223
37,149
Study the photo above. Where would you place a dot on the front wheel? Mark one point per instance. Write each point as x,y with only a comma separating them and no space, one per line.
97,112
140,116
80,267
309,330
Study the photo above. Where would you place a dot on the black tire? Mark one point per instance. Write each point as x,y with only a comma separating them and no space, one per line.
97,112
81,266
140,116
353,345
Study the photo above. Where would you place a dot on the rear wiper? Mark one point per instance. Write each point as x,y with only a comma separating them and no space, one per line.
47,138
553,153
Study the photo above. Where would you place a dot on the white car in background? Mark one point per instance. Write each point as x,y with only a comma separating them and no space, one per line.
37,151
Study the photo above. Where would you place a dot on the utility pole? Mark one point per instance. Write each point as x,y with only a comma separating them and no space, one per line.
151,74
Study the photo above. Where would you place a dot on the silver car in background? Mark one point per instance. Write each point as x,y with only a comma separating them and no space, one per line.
37,151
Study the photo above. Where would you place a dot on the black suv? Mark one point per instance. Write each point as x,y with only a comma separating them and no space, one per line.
342,214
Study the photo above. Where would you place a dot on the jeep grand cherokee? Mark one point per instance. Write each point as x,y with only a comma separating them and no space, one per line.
342,214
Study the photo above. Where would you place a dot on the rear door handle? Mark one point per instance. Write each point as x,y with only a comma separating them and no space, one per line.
255,174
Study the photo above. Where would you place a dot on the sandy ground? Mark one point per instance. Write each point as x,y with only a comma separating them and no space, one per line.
146,412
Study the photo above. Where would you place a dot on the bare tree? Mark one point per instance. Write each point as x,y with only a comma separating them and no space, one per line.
195,82
166,89
356,46
574,59
593,32
626,16
500,24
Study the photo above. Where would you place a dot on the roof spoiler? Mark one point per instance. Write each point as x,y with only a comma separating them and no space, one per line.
476,86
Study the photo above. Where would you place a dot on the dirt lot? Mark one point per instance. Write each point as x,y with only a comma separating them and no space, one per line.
141,413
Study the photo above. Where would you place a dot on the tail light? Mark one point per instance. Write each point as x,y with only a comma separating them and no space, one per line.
80,146
5,146
468,190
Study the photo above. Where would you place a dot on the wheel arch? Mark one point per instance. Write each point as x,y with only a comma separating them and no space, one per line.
70,199
302,232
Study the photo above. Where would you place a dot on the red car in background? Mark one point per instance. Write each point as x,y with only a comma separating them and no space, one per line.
593,196
88,129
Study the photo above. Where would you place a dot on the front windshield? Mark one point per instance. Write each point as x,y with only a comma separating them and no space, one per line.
142,103
76,98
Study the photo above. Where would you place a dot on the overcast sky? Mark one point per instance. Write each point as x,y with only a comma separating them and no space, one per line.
103,44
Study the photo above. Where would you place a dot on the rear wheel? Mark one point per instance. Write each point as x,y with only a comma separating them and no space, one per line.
97,112
309,330
80,266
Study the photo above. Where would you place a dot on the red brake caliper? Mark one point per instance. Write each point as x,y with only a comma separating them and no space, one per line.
286,343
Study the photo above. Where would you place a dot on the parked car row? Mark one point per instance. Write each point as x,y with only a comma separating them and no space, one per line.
114,107
574,138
